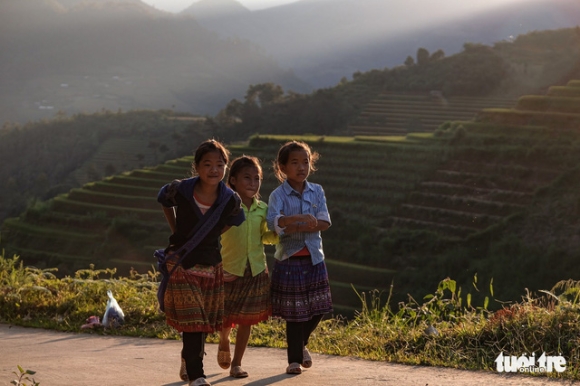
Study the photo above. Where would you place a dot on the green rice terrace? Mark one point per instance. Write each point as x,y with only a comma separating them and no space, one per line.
398,203
402,113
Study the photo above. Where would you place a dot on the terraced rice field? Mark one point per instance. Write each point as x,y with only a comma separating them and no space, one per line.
399,114
418,181
463,196
513,153
80,226
111,151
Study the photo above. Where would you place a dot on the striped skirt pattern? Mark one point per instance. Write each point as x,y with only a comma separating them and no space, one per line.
194,299
247,299
300,290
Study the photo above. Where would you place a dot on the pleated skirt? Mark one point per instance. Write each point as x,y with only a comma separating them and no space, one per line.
247,299
299,289
194,299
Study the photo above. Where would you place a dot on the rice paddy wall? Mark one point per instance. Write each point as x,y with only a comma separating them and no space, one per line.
399,113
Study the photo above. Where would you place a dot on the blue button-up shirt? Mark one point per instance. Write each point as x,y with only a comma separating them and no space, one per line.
285,201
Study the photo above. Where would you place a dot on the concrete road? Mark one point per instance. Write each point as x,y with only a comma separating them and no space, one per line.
95,360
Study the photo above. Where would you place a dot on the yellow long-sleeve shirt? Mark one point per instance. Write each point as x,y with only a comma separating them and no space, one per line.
246,242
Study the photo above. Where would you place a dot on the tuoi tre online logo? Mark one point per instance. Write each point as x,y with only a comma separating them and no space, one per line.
529,364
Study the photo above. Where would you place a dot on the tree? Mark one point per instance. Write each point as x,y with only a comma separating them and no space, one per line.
422,56
264,93
437,55
409,61
231,114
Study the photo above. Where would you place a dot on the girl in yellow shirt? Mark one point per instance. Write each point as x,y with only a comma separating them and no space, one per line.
247,285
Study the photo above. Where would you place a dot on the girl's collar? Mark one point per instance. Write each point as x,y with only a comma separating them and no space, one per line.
187,185
289,189
255,204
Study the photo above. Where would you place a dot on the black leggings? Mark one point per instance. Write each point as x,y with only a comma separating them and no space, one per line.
192,352
297,335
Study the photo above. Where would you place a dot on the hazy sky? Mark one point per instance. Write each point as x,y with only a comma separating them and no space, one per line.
179,5
429,5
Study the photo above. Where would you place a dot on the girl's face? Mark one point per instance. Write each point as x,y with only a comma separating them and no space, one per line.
211,168
297,168
247,182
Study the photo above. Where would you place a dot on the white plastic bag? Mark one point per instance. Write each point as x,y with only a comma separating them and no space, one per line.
114,316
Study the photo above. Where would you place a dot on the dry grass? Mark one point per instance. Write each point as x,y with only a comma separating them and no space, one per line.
443,329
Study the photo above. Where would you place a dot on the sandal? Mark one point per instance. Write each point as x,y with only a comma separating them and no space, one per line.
224,359
237,372
183,371
294,368
306,359
200,382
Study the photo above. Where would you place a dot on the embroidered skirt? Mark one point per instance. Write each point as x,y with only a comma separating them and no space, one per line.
247,299
194,299
300,290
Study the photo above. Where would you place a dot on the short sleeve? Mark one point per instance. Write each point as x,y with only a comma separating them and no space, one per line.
166,195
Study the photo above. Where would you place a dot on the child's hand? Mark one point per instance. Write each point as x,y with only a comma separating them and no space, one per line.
307,221
291,228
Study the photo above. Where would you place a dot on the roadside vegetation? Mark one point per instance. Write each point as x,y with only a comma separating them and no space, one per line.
444,328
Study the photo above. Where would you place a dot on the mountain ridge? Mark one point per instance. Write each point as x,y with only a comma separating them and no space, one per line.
89,57
312,36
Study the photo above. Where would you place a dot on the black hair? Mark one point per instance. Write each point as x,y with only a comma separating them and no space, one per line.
239,164
207,147
284,154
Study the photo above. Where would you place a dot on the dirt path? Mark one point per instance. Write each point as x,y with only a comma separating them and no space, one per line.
95,360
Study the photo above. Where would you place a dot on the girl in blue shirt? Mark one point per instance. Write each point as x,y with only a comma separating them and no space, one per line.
300,289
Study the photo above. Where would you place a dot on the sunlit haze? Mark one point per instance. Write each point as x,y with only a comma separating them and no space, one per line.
453,6
179,5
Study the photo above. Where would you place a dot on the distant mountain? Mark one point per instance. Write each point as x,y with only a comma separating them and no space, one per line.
85,55
324,40
207,9
110,4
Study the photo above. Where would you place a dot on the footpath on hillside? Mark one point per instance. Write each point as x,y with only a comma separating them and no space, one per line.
87,359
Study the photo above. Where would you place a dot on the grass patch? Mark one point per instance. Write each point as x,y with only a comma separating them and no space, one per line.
305,138
442,329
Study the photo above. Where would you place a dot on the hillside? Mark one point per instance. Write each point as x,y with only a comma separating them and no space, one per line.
325,40
42,159
443,88
502,193
414,208
121,219
402,113
474,197
83,56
